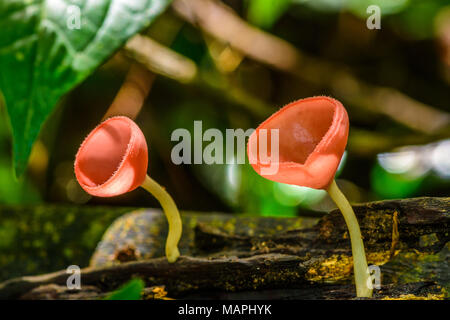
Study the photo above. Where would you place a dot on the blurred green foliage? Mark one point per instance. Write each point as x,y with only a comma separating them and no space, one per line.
391,185
45,238
132,290
406,55
227,187
264,13
415,18
12,191
358,7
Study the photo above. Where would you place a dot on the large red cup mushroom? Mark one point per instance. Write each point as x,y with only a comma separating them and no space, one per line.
113,160
312,136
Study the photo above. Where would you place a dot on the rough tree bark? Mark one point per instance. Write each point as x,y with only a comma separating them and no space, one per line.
226,256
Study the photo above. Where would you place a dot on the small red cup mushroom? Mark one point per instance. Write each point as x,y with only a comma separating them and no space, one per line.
113,160
312,136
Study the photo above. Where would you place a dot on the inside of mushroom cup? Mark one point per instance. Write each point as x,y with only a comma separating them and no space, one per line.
103,152
301,128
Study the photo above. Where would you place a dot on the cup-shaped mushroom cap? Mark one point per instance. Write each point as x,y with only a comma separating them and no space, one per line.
312,133
112,160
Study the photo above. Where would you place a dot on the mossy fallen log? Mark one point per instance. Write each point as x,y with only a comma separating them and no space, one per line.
227,256
45,238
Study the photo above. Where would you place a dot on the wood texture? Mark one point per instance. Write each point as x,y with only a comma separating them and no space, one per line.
227,256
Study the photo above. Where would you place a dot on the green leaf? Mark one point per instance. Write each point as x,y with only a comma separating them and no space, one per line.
264,13
43,54
387,7
130,291
388,185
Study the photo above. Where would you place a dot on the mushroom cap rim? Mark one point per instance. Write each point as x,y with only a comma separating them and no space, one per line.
133,136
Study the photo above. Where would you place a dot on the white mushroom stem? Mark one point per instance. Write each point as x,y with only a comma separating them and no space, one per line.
172,215
360,268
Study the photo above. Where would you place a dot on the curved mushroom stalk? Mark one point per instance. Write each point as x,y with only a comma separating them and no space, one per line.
312,134
361,270
172,215
113,160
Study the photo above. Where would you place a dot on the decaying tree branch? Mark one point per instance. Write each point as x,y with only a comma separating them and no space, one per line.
226,254
130,98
